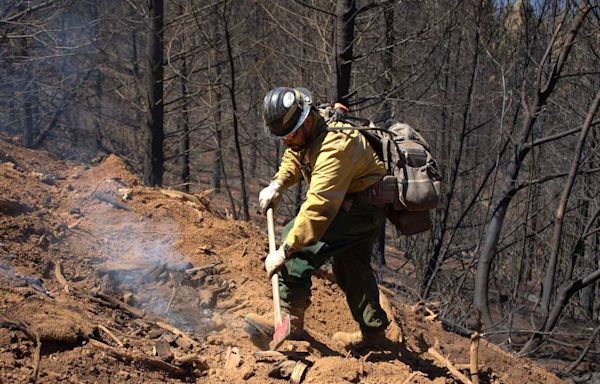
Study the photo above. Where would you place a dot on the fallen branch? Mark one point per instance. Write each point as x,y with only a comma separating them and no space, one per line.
122,305
176,331
60,277
237,307
96,300
105,197
112,336
273,356
132,357
173,293
190,360
181,196
451,368
202,267
123,266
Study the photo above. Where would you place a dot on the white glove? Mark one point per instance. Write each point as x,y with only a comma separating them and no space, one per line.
270,196
274,261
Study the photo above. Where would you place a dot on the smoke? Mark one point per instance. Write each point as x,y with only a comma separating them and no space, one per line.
140,263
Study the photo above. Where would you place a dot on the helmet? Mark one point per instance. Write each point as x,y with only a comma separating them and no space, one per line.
285,109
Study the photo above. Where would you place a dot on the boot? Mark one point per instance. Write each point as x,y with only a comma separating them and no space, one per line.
360,339
261,328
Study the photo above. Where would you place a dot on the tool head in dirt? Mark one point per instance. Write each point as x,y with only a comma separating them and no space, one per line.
282,331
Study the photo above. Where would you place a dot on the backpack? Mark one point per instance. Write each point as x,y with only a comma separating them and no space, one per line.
411,187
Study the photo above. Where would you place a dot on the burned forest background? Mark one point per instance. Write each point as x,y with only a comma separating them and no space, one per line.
506,93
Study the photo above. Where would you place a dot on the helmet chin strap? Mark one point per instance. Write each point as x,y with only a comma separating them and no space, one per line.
315,129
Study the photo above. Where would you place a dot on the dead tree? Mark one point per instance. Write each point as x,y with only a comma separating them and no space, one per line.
344,35
235,111
546,81
185,115
154,134
567,290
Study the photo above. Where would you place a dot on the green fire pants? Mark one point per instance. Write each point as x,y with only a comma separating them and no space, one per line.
349,243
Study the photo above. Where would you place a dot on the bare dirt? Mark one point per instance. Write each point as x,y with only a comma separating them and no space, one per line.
127,254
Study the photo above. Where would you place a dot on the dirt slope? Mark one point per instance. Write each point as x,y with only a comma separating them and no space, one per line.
113,238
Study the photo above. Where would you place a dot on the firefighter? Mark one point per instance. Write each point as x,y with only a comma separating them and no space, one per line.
338,221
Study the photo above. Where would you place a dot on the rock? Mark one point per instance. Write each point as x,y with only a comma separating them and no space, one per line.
183,343
208,298
155,333
233,359
162,350
168,337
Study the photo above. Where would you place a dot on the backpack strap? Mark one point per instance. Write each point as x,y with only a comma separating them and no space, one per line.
385,144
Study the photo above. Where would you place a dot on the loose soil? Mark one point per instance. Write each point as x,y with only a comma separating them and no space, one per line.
137,261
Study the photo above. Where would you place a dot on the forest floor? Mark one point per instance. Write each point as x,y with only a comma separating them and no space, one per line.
105,280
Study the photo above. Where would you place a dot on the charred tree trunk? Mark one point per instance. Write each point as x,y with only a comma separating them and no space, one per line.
154,135
236,134
385,118
28,128
217,163
344,35
185,120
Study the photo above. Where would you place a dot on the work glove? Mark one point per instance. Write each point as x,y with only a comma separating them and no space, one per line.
270,196
275,260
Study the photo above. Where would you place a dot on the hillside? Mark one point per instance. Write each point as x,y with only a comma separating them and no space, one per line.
105,280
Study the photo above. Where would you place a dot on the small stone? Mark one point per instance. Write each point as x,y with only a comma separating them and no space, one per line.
183,343
162,349
168,337
248,374
233,359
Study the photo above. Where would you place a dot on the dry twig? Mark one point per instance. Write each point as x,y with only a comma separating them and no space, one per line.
124,306
112,336
237,307
203,267
60,277
133,357
173,292
474,357
451,368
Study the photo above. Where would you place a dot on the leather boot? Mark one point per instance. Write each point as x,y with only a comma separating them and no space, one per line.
360,339
261,328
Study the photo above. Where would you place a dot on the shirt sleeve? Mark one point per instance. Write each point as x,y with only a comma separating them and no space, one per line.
329,183
289,170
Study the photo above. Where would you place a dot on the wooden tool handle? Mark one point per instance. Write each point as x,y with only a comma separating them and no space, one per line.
275,277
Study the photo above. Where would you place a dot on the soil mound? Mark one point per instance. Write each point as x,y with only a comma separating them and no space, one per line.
105,280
